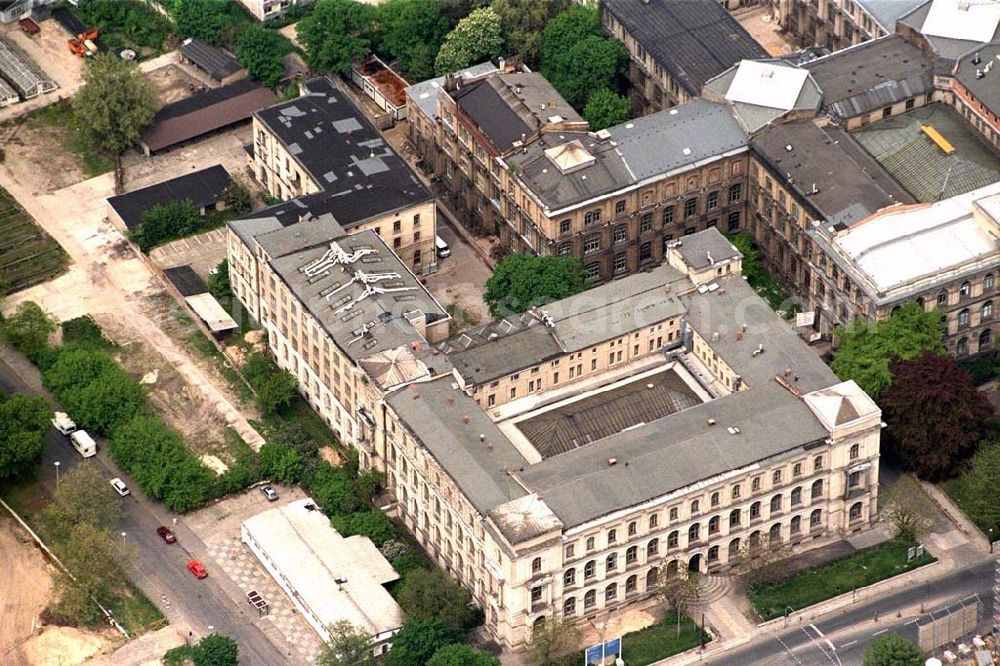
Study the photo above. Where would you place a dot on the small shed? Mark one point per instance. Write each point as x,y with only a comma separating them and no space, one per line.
210,312
205,189
218,63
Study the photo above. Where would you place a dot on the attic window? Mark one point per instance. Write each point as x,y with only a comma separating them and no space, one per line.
570,157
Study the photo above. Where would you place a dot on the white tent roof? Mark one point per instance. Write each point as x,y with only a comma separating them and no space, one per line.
840,404
767,84
209,310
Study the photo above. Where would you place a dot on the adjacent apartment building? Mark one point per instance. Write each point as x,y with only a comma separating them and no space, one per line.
675,47
269,10
666,422
838,24
322,155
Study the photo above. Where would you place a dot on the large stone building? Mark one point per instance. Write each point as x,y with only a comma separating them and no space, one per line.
838,24
675,47
662,422
321,154
270,10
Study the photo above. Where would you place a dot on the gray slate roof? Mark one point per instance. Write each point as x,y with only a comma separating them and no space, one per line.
754,117
702,250
215,61
694,40
423,96
686,134
947,49
887,12
986,89
851,184
449,424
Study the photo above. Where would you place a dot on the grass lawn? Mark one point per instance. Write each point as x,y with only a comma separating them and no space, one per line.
27,254
129,605
829,580
960,493
60,116
661,640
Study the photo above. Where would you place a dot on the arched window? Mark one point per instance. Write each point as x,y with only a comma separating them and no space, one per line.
653,546
796,525
755,511
963,317
774,534
815,518
713,554
536,565
855,452
754,540
776,504
965,289
987,310
589,599
963,347
796,495
631,555
713,525
920,302
672,568
569,606
694,532
633,527
734,517
651,577
569,578
988,281
631,584
590,543
695,507
734,548
611,592
942,298
672,539
817,489
589,569
611,563
855,513
985,339
539,622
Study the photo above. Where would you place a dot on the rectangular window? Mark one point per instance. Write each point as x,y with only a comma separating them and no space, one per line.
621,233
593,271
713,200
565,249
645,251
668,215
690,207
619,263
733,222
397,227
592,243
620,207
645,223
735,192
564,227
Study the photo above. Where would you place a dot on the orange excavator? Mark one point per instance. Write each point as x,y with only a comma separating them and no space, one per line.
84,44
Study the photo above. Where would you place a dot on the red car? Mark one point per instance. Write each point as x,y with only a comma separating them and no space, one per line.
197,568
166,534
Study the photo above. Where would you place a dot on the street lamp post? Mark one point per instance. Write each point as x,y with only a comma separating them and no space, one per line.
123,544
56,463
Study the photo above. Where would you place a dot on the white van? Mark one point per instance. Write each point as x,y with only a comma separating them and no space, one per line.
63,423
442,248
83,443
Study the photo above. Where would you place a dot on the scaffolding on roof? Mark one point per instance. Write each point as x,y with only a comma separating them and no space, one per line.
21,72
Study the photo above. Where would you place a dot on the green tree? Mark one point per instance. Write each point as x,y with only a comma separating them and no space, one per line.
678,588
82,498
373,524
107,402
115,104
983,491
74,369
935,415
907,509
164,222
336,33
217,650
348,646
522,281
462,655
431,594
276,391
281,463
369,483
23,423
217,22
418,640
236,196
91,555
552,641
577,58
262,51
866,349
218,282
475,39
28,329
333,489
892,650
523,22
411,31
604,109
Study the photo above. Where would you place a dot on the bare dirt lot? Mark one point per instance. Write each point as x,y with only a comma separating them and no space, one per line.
25,585
172,83
38,149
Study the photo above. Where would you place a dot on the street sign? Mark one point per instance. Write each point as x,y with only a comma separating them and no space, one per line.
613,649
594,655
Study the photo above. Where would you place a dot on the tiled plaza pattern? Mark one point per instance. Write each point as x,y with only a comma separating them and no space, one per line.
237,562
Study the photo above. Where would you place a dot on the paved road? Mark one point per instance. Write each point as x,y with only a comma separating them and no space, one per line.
199,606
842,638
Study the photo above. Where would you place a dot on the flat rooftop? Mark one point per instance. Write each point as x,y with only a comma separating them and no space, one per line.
594,415
361,175
424,95
202,188
919,165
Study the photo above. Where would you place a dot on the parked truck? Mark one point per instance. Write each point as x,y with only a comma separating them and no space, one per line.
83,443
63,423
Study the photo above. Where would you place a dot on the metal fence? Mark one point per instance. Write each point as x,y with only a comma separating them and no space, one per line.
949,624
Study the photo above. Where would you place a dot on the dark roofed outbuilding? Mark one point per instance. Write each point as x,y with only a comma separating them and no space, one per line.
205,112
215,62
204,189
